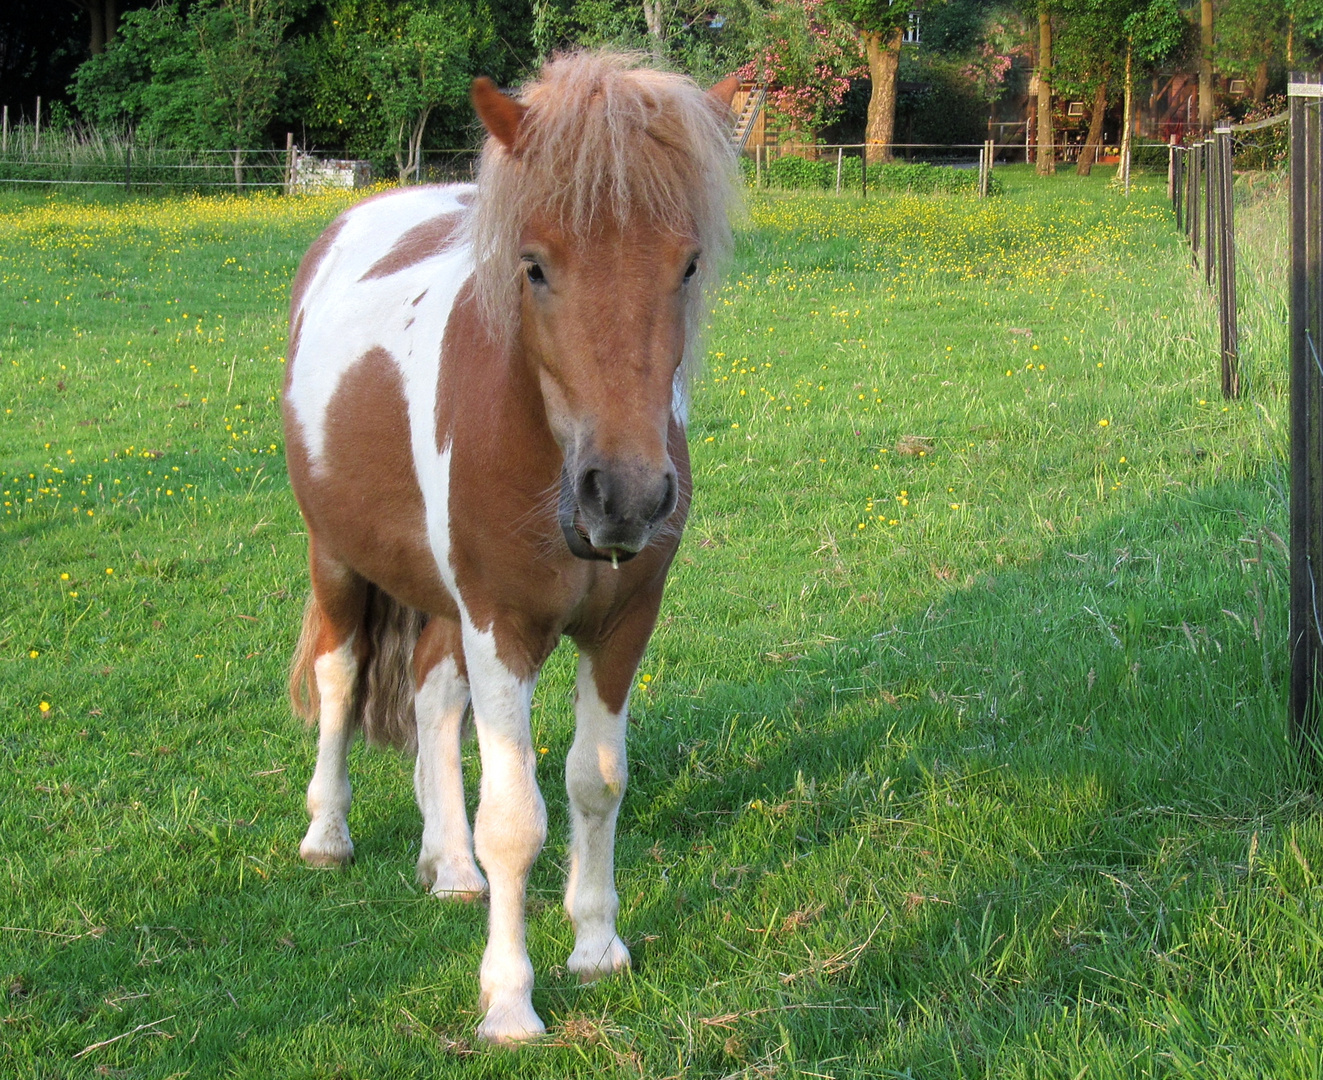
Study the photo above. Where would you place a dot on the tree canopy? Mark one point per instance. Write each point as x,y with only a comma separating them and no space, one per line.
384,79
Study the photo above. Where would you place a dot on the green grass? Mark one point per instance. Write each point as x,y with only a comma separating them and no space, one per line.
993,785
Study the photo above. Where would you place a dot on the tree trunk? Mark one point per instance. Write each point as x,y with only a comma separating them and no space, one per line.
97,17
883,53
111,19
415,163
1206,64
238,168
653,16
1260,82
1127,116
1047,154
1089,153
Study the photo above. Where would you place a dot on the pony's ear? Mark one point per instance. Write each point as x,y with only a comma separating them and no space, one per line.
499,114
724,91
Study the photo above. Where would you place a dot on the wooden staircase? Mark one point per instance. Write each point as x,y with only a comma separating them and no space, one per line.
754,97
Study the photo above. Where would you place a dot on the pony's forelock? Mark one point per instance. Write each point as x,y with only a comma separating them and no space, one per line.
604,139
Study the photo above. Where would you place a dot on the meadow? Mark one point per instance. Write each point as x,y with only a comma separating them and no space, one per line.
959,750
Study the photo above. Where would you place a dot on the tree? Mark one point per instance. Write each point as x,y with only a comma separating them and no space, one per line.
148,79
806,59
239,47
1046,159
424,64
881,27
1251,34
1002,40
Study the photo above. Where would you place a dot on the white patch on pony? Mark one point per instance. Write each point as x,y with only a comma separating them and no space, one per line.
509,831
327,841
595,778
344,317
446,861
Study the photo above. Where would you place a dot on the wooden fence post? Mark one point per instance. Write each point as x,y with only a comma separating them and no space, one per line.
840,151
863,171
289,163
36,145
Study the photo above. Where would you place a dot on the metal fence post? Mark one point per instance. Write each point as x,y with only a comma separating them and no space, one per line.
1210,237
1226,264
1306,398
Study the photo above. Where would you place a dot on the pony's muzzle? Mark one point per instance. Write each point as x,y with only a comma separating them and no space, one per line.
612,513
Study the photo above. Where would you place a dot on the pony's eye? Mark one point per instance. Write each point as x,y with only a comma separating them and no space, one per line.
691,269
535,274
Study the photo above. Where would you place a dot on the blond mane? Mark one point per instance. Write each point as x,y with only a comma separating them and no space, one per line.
604,139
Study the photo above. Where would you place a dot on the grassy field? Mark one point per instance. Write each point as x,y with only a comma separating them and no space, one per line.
959,750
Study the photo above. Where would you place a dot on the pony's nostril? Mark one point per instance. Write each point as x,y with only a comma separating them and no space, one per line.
670,495
592,490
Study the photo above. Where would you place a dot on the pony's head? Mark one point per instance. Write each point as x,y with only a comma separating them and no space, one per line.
601,217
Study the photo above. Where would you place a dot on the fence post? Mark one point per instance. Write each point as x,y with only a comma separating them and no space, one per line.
863,170
4,143
1226,259
1210,238
1192,206
840,151
1306,399
1171,168
128,166
289,163
36,144
758,165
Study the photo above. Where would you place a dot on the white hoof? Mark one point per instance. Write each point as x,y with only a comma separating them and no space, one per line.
459,880
327,844
596,958
510,1022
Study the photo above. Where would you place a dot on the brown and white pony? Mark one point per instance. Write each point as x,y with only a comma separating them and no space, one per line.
484,414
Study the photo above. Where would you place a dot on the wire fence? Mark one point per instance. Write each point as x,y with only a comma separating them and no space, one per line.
854,168
88,158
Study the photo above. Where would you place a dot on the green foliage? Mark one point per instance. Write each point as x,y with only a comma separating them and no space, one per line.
1157,29
242,64
423,63
149,79
877,16
205,80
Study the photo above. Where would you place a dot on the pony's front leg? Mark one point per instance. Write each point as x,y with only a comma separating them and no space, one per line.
327,841
446,859
509,830
595,776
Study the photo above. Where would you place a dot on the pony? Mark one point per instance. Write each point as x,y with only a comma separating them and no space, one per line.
485,405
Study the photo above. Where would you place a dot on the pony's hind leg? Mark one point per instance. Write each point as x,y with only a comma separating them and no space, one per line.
330,641
446,860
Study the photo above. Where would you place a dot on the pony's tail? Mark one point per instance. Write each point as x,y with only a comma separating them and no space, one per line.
384,702
303,695
383,697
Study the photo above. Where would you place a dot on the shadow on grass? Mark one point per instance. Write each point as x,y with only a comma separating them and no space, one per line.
930,838
1016,796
